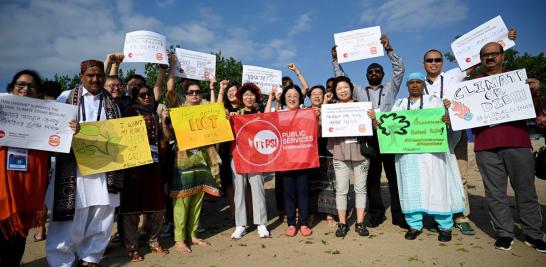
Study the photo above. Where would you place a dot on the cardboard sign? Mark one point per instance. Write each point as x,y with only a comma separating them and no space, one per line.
195,65
412,131
36,124
265,79
358,44
111,145
200,125
145,46
346,119
491,100
275,141
467,47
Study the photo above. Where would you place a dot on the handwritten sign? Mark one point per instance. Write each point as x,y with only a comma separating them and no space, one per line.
491,100
467,47
145,46
195,65
265,79
412,131
200,125
111,145
35,124
346,119
358,44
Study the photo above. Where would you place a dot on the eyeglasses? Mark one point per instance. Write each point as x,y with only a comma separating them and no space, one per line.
115,85
144,95
492,54
374,70
436,60
193,92
22,85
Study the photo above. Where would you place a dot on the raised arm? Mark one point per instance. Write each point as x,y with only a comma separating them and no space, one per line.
304,84
223,86
398,68
211,86
272,95
111,63
171,83
160,81
338,70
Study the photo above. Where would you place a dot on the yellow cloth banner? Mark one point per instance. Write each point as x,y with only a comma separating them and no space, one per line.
111,145
200,125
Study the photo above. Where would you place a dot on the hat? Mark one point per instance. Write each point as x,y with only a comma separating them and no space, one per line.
253,88
416,76
86,64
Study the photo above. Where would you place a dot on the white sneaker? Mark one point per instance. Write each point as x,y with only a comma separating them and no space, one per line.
262,231
239,232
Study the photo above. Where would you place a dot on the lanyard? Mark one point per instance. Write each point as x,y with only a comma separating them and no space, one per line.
380,94
441,87
82,103
420,104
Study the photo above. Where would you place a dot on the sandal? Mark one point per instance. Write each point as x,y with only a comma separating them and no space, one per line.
305,230
156,248
135,256
37,237
331,221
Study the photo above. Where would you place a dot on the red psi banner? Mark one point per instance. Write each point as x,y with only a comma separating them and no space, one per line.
276,141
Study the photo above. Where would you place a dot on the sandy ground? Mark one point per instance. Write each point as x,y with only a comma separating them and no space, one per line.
385,246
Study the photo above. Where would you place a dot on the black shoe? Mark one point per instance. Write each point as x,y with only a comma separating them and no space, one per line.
342,230
504,243
373,221
434,227
401,222
538,244
361,229
411,234
444,236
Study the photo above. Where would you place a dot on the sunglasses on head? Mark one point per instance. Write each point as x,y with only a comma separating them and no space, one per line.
144,95
374,71
193,92
430,60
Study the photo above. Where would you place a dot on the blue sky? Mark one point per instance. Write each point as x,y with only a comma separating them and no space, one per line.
54,36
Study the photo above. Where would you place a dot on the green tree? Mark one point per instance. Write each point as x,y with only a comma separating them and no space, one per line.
393,124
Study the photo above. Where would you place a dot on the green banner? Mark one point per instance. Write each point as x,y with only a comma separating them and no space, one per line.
412,131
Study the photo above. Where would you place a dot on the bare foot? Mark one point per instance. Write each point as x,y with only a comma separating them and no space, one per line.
331,221
182,248
199,242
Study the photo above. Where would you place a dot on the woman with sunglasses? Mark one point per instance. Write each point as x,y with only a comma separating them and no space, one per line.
196,172
143,185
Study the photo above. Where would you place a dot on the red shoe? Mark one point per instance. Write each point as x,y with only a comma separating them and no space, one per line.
306,231
290,231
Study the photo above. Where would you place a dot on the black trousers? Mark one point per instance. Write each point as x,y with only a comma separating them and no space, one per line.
11,250
279,191
296,195
376,207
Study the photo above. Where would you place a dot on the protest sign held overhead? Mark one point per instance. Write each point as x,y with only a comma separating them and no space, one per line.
358,44
195,65
265,79
347,119
36,124
491,100
145,46
412,131
466,48
276,141
200,125
111,145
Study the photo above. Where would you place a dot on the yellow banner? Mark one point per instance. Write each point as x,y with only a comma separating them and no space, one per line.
111,145
201,125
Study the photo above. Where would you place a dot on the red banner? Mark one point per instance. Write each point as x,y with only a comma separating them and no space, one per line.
276,141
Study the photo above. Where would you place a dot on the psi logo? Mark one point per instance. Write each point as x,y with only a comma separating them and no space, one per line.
258,142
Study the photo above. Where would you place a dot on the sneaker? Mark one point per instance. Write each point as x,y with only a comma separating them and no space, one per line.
305,230
291,231
465,228
412,234
262,231
538,244
504,243
373,222
444,236
342,230
239,232
361,229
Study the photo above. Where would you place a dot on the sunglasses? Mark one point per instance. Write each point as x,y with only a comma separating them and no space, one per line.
193,92
144,95
22,85
375,71
430,60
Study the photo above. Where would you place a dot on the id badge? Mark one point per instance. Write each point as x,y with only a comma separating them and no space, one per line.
17,159
155,153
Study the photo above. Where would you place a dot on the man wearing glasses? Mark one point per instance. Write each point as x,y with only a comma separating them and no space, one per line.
382,97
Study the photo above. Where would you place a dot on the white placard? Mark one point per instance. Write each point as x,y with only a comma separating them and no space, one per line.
467,47
346,119
490,100
145,46
36,124
266,79
195,65
358,44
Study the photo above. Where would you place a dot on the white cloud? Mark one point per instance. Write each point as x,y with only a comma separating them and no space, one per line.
302,24
414,16
165,3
